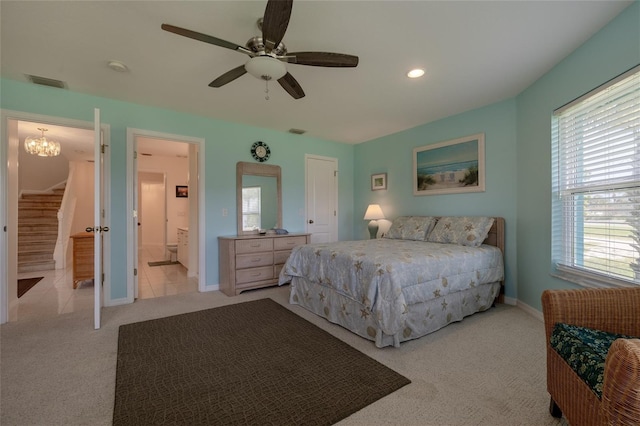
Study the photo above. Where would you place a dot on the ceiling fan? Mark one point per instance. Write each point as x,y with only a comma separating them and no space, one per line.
268,54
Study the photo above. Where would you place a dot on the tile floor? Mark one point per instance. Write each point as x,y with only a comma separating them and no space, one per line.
55,295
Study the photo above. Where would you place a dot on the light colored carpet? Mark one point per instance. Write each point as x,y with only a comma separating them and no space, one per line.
486,370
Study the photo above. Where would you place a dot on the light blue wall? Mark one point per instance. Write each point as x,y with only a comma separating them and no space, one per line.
613,50
393,155
518,158
226,144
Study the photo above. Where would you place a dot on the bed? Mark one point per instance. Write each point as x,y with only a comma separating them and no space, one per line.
424,274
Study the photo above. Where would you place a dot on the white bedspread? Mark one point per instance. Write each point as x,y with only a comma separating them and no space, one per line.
386,275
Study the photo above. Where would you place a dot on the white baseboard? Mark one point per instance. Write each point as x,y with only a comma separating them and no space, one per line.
510,301
117,302
531,311
212,287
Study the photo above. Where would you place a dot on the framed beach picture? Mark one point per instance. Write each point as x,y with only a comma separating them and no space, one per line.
182,191
378,181
449,167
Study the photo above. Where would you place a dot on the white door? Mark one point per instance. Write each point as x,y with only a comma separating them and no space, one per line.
322,198
98,219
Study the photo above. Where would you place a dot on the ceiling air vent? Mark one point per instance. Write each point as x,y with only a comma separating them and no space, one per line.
43,81
297,131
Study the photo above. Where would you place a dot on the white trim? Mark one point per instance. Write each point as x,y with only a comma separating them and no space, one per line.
132,134
510,301
588,279
531,311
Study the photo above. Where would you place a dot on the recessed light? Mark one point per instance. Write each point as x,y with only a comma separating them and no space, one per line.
415,73
117,66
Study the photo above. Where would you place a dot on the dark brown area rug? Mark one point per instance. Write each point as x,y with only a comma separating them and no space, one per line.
252,363
25,284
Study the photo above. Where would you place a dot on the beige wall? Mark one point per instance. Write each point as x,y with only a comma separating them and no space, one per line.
40,173
177,172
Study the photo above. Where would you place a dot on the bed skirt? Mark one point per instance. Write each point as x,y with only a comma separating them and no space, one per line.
421,319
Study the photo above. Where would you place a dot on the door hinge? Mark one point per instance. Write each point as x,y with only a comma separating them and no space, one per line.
335,173
135,272
135,155
102,278
102,213
334,212
102,148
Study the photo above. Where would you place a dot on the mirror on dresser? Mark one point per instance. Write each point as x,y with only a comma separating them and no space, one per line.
258,197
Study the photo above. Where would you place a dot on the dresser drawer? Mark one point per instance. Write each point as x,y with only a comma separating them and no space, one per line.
244,261
287,243
281,256
254,274
254,245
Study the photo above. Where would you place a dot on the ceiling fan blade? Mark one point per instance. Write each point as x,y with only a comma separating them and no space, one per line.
275,22
324,59
228,76
203,37
291,85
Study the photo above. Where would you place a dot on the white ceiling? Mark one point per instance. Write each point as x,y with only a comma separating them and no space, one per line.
475,53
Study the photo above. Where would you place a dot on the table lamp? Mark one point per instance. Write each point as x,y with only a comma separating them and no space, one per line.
373,213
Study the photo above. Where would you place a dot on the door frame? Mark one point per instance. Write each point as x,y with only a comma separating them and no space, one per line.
132,135
9,206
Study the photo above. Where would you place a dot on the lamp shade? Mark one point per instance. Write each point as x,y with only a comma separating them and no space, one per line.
374,212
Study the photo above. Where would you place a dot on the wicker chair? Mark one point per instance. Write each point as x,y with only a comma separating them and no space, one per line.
615,310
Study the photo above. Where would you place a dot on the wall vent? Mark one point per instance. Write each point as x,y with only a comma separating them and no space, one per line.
44,81
297,131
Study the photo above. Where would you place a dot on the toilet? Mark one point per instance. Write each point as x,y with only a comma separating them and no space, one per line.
173,251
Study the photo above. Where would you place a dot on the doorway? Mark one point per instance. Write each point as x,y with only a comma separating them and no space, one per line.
34,247
165,193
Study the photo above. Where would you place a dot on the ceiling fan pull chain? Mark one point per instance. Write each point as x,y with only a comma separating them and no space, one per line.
266,81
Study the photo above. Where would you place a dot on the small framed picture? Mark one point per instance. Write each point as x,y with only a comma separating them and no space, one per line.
182,191
378,181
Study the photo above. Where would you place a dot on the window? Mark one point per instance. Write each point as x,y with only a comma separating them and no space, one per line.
596,185
251,208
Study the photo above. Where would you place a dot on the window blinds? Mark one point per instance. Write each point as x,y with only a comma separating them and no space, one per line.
596,183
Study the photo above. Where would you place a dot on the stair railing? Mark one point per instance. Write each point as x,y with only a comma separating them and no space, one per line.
65,220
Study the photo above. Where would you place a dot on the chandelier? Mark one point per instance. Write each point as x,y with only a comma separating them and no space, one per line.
41,146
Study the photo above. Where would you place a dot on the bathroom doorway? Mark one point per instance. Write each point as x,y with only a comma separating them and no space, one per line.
164,196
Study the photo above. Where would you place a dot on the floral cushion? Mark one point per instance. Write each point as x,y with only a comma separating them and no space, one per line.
410,228
466,231
585,350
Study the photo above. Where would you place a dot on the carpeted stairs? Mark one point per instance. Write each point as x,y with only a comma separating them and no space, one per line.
38,230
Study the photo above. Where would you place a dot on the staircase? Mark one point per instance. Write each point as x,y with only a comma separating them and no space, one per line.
38,230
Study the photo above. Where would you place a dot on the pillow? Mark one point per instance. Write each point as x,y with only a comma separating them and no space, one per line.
466,231
410,228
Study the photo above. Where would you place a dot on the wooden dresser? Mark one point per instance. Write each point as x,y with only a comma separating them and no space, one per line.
82,257
254,261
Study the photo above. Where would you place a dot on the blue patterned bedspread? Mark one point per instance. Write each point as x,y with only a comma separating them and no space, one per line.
387,275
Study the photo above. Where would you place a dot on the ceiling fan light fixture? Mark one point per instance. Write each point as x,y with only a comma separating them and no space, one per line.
266,68
117,66
415,73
